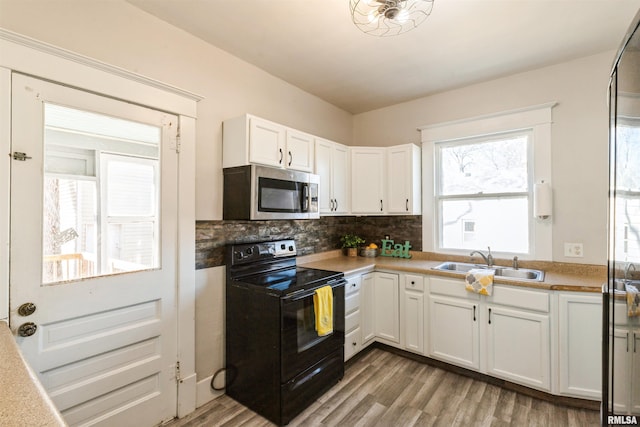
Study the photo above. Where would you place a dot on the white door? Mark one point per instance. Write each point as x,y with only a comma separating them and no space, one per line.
93,248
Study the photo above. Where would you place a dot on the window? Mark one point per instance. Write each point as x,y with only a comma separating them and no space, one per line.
101,198
483,190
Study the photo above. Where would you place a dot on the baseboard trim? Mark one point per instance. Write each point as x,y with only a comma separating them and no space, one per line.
204,392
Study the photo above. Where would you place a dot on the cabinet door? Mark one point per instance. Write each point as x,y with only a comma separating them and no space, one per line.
367,308
340,179
454,331
323,169
398,179
518,346
387,319
300,149
580,345
635,373
622,346
367,172
413,316
266,142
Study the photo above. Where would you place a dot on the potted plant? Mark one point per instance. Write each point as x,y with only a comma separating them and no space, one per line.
350,242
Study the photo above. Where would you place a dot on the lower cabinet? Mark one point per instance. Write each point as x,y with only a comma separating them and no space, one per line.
580,344
367,312
352,310
386,307
626,362
412,313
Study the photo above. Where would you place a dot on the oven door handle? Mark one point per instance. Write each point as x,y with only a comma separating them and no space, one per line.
306,293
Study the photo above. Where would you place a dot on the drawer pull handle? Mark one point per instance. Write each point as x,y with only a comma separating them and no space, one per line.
474,313
489,316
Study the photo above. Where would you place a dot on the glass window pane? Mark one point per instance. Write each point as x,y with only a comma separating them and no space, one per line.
472,224
627,157
101,195
495,166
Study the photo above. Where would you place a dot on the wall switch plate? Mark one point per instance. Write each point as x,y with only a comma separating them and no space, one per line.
573,250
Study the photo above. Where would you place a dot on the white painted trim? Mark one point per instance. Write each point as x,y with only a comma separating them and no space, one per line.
30,56
538,118
5,174
186,292
204,392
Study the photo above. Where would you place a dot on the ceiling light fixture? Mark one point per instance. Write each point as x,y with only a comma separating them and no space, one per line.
385,18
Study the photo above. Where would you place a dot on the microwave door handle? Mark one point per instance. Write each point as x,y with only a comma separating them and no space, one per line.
305,197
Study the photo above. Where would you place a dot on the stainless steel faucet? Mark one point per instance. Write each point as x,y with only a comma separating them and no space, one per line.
627,271
487,258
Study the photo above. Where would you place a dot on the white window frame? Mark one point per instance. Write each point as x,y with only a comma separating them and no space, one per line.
537,119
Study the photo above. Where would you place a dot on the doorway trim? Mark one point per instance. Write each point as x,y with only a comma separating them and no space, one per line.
42,60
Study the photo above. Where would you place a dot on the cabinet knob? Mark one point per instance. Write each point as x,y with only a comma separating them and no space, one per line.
354,343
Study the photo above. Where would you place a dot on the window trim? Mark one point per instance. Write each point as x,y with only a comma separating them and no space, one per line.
538,119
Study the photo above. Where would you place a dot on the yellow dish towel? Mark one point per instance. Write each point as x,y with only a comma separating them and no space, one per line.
323,307
480,281
633,300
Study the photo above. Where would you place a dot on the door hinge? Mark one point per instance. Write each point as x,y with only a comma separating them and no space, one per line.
178,377
178,143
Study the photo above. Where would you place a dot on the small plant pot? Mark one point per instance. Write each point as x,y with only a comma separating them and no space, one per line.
351,251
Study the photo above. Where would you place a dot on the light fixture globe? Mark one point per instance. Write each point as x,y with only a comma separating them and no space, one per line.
385,18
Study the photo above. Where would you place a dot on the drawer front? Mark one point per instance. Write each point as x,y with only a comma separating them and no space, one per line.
514,296
452,288
352,321
351,302
414,282
353,284
352,344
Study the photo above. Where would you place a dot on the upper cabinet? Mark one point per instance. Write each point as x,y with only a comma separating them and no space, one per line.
332,165
251,140
386,180
367,180
403,180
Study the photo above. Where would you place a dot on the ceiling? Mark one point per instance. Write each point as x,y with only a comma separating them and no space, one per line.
313,44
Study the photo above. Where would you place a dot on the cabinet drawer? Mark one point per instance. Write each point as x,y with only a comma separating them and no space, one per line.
452,288
351,302
414,282
353,284
528,299
352,344
352,321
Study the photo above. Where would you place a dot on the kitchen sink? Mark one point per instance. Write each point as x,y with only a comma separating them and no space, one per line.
503,272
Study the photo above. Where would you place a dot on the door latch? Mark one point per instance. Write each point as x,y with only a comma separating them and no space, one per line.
27,309
20,156
27,329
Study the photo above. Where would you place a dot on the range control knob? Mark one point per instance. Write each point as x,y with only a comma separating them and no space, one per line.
249,251
283,246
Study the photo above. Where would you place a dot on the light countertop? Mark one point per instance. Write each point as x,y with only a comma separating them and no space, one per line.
557,277
23,400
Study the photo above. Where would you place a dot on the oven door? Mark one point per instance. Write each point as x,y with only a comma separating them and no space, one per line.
301,345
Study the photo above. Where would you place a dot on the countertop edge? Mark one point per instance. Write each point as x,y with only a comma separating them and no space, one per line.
24,400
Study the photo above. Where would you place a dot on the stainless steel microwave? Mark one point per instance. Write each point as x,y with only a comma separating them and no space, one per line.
261,192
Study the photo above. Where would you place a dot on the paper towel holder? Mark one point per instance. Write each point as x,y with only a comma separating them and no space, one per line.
542,200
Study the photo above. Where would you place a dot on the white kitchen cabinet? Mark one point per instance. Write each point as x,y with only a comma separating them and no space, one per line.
518,346
412,313
580,344
626,359
252,140
332,165
454,328
300,149
367,308
367,180
352,338
386,308
404,180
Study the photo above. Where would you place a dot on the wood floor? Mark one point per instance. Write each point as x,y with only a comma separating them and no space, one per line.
385,389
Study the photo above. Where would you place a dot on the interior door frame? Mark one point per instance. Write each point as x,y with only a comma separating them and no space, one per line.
41,60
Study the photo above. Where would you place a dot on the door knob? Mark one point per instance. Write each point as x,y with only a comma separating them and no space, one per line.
27,309
27,329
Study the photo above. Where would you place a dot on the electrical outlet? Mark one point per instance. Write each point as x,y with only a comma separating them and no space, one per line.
573,250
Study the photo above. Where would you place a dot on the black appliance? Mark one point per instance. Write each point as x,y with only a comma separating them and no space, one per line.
261,192
620,330
277,365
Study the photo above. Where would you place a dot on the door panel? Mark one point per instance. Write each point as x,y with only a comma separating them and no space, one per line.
105,345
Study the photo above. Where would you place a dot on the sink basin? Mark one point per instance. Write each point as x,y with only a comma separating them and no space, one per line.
504,272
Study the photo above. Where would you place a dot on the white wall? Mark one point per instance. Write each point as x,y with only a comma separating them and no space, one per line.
579,138
119,34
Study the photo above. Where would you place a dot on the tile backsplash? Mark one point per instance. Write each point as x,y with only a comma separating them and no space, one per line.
311,236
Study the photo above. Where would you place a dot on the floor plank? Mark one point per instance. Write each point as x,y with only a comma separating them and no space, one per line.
385,389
